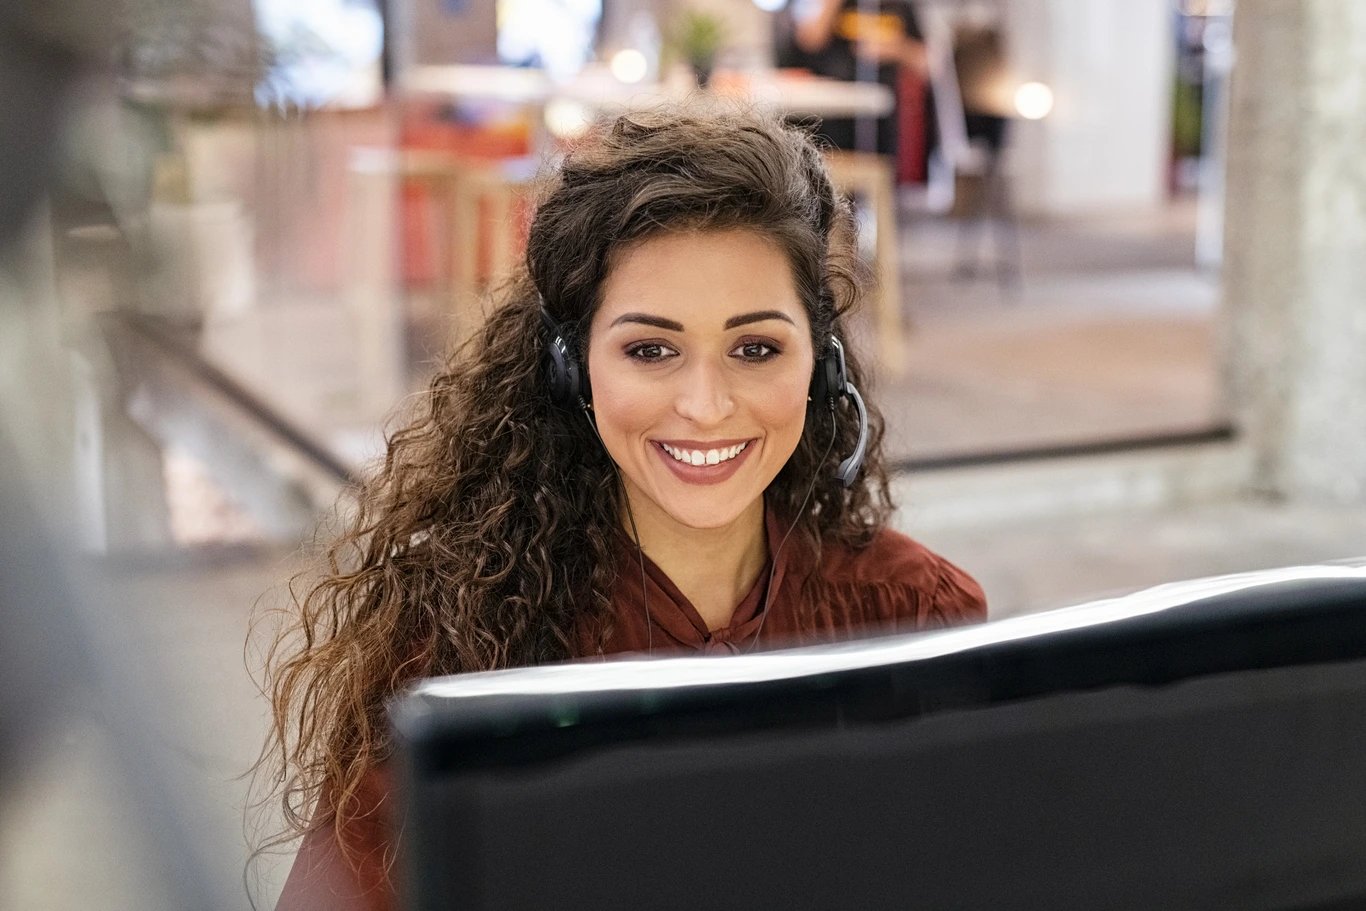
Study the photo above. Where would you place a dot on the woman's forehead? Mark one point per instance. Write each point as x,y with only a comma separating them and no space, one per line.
701,280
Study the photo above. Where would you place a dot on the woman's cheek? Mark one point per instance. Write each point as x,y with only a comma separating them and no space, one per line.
627,406
784,405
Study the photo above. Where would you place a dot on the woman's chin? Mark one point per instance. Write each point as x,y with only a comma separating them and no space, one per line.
706,521
706,511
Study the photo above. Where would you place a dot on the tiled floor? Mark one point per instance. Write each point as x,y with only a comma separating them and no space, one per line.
1109,334
1078,359
1033,565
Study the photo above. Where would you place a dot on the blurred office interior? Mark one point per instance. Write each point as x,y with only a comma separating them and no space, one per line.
1116,334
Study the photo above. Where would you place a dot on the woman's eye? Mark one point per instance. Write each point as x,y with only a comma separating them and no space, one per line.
756,351
649,351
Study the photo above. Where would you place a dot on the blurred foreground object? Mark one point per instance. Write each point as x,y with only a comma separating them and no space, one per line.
39,664
43,48
61,658
42,53
1195,745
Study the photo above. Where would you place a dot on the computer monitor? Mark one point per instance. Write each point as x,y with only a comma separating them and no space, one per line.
1193,746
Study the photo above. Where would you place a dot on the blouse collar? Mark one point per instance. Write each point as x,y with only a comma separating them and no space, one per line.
676,625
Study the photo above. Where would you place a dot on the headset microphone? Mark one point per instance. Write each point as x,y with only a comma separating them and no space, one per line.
850,467
829,384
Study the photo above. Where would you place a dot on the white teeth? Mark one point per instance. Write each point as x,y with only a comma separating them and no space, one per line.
709,457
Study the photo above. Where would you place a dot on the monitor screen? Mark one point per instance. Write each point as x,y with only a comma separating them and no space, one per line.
1196,745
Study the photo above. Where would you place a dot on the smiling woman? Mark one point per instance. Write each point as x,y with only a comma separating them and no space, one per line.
656,444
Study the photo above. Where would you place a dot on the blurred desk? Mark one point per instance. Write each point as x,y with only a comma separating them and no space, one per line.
597,89
508,84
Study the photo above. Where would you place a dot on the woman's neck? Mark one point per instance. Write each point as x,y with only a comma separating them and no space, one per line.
714,568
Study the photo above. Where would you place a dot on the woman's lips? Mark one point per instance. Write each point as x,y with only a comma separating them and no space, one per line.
704,474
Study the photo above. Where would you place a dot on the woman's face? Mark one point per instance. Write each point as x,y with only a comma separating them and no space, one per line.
700,361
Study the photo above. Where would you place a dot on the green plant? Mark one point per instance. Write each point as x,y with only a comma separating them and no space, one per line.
697,37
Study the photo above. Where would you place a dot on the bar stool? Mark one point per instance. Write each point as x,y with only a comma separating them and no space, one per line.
872,177
487,194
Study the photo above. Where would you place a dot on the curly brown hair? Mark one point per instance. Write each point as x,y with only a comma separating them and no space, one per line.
488,537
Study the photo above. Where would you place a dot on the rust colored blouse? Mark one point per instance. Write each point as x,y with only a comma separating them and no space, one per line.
892,585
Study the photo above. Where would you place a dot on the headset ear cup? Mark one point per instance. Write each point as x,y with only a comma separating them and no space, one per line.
556,371
562,387
825,380
566,380
566,385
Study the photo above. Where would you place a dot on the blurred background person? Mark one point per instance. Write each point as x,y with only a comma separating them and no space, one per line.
857,40
62,662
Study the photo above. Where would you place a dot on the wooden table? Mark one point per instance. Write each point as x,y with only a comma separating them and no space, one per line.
597,89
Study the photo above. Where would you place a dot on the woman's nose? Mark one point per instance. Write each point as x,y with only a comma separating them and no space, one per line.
704,396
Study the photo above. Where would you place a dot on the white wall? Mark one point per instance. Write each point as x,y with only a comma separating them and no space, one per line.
1109,63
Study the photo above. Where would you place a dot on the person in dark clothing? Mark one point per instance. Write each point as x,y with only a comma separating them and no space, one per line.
856,40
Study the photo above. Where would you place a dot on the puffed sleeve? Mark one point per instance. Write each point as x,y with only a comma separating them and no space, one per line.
926,592
957,598
323,878
900,586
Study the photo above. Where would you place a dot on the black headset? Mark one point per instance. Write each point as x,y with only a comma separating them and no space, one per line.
567,382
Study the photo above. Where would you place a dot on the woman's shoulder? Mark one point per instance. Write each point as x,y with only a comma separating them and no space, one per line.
889,556
350,871
905,578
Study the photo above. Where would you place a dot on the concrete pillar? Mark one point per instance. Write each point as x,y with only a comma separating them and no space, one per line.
1295,245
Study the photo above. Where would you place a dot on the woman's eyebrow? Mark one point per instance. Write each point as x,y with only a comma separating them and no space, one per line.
658,322
758,316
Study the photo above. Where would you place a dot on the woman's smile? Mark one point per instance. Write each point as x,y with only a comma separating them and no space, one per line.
701,463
